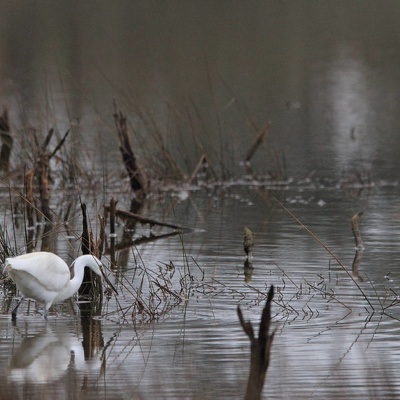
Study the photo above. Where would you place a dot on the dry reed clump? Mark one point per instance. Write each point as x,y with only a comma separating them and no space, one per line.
184,146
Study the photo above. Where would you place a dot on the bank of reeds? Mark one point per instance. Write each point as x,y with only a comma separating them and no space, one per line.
188,144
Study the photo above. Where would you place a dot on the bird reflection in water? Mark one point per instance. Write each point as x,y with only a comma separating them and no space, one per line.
47,356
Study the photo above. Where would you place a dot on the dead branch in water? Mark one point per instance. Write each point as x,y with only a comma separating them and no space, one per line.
260,349
355,227
136,176
126,215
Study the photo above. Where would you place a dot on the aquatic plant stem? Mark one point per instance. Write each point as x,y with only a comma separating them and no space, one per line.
315,237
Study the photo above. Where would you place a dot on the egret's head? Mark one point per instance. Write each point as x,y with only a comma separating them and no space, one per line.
97,267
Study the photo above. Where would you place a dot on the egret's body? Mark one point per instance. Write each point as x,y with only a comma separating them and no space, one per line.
46,278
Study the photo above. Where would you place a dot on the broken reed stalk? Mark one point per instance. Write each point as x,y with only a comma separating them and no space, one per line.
136,177
355,227
7,141
315,237
257,142
260,349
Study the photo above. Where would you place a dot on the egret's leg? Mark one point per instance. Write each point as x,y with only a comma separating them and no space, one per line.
14,312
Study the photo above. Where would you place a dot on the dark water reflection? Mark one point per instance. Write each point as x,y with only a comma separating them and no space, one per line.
326,74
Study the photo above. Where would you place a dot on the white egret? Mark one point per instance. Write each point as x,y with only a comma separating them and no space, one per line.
46,278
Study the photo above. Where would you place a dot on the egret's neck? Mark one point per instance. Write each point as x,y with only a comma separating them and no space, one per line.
74,284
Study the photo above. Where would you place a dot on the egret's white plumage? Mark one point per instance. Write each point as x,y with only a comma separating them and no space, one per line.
46,278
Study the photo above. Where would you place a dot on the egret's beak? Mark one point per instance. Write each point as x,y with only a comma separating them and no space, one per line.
108,282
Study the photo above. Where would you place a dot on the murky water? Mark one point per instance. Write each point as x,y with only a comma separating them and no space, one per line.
329,83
